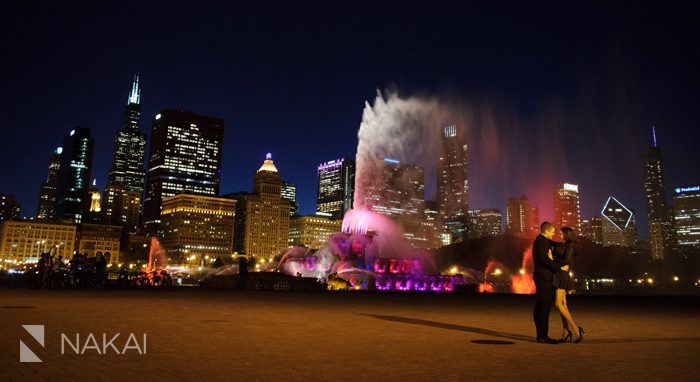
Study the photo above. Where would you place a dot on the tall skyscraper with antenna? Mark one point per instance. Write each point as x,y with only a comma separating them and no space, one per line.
125,181
47,193
130,146
658,210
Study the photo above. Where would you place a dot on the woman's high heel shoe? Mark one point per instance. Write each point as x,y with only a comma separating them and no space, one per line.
567,337
580,335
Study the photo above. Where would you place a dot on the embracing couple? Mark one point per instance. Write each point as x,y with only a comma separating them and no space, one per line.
553,282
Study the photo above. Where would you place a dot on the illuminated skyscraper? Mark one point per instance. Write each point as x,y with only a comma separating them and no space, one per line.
184,158
9,207
25,240
658,211
312,231
95,197
47,194
262,217
72,197
485,222
401,196
121,207
686,206
95,212
401,193
289,192
129,146
336,187
593,229
195,227
567,210
453,185
597,229
522,218
618,224
431,218
124,190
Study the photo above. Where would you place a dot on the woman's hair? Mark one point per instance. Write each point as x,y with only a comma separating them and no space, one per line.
567,233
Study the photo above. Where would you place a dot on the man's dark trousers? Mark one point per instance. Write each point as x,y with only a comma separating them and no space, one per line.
545,299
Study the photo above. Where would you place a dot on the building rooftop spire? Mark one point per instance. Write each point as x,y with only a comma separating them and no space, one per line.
653,133
268,164
135,95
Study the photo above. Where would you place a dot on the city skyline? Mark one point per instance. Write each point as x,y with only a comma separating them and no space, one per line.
100,96
414,182
135,94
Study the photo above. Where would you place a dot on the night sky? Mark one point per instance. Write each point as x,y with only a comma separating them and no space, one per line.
292,80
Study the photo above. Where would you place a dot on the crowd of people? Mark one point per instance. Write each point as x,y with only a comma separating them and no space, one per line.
154,278
52,272
86,272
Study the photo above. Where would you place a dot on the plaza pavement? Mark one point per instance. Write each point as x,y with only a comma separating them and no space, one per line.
208,335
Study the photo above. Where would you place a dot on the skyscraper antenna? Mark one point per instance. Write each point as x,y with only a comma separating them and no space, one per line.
135,95
653,132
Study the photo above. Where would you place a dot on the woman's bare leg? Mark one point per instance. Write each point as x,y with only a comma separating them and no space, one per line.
560,303
564,325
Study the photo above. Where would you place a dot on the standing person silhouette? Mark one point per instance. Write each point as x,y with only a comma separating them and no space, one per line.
242,272
545,267
563,284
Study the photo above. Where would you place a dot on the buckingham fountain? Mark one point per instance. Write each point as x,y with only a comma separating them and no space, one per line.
371,251
369,255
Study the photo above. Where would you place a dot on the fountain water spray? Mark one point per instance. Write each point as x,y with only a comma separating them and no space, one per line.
157,258
522,283
403,129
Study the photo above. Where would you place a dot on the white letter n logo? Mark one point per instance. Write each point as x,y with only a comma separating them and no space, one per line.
26,355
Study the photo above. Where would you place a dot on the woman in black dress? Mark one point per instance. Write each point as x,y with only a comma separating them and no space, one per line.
564,284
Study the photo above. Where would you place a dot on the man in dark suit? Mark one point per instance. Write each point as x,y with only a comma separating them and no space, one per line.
543,275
